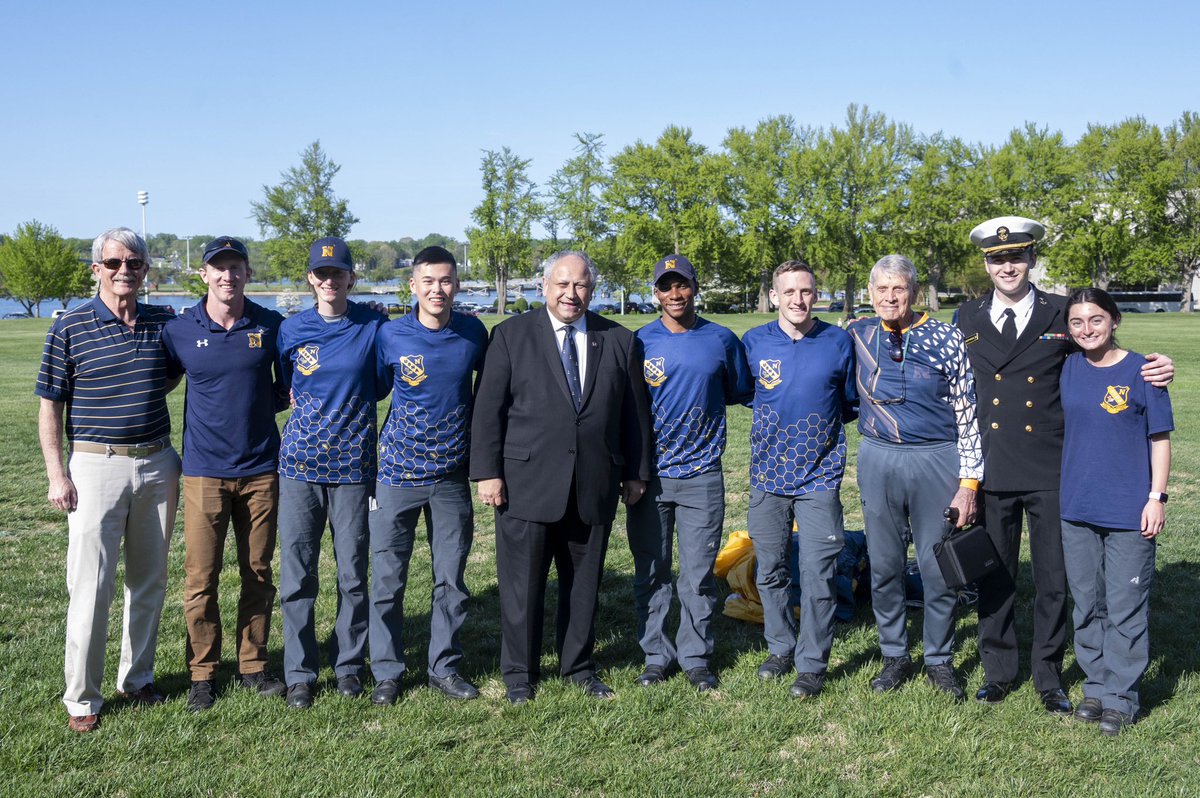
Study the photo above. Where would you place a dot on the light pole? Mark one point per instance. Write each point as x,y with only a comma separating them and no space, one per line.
188,239
143,198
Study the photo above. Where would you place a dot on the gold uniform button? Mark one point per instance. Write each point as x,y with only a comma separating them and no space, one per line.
995,425
1028,428
998,378
996,401
1029,379
1029,404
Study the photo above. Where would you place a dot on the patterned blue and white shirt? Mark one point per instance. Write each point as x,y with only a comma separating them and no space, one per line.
925,396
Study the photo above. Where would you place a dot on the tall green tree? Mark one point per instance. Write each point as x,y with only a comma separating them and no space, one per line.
299,210
942,200
859,169
575,194
768,191
664,199
504,216
36,264
1032,175
1099,235
1176,235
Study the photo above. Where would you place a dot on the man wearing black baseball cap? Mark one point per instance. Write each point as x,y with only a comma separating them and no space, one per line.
227,346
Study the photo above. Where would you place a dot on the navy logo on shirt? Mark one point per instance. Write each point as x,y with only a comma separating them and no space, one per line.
412,369
254,339
654,370
770,373
1116,399
306,359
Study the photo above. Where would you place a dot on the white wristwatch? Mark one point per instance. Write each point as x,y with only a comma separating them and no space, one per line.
1160,497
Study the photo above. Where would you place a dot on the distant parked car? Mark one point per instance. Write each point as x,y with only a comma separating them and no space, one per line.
837,306
646,307
17,316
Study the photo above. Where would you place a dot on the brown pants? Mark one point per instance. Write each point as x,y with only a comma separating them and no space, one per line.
210,504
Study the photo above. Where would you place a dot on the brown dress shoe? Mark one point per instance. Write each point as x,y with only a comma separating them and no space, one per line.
83,723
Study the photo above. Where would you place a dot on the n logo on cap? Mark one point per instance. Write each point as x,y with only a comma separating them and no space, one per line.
327,250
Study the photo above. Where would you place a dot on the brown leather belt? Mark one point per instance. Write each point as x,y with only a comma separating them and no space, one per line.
145,450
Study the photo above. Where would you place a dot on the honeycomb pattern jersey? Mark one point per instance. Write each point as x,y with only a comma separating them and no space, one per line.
331,369
691,377
803,393
927,397
427,432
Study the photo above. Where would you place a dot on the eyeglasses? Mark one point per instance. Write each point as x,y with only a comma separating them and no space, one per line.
896,346
134,264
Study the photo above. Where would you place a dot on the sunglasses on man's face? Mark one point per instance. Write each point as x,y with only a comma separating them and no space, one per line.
134,264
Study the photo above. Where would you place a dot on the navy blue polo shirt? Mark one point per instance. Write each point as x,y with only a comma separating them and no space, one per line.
232,394
112,379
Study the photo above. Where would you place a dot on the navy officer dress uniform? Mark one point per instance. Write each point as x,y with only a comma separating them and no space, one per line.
1021,421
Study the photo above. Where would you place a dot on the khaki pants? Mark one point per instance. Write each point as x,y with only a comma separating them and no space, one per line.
122,500
209,505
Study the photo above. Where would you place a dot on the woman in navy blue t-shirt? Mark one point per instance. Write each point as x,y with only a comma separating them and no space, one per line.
1116,456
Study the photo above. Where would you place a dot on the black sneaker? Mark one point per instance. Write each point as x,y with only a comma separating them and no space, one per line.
774,667
896,671
201,696
942,677
807,685
264,682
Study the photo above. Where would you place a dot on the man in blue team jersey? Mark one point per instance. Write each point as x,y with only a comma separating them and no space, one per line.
428,357
228,347
693,368
804,393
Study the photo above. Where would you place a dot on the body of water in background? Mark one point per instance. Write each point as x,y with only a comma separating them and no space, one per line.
181,301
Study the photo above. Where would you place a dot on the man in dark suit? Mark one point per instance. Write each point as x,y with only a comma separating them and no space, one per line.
1016,338
561,427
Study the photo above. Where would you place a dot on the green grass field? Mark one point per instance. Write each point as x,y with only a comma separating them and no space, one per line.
748,738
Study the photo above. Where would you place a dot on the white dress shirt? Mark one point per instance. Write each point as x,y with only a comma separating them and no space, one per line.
1022,310
581,345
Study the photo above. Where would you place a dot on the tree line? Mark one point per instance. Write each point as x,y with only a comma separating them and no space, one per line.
1121,204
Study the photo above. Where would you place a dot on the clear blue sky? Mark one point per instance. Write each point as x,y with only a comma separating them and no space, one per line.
203,104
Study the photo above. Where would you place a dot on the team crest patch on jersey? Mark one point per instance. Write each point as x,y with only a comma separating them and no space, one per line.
770,373
254,339
654,370
412,369
1116,399
307,359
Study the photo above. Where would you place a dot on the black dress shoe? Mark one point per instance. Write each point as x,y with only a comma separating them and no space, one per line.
993,692
702,679
595,688
520,693
896,671
1112,721
454,686
385,692
349,686
654,674
300,695
774,667
1056,702
201,696
1089,710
